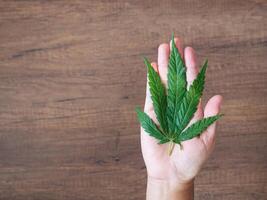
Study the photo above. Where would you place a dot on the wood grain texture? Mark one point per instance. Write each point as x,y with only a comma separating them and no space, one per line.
71,74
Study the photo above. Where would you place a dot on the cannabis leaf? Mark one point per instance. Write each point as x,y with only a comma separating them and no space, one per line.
176,87
175,106
150,127
197,128
191,99
158,95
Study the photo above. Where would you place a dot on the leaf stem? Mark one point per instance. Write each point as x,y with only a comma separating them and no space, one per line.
171,147
181,146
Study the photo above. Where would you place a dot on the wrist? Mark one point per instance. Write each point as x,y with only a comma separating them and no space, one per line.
169,189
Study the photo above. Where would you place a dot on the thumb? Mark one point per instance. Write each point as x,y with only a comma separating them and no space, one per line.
212,108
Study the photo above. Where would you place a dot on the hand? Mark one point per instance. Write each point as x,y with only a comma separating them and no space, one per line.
177,172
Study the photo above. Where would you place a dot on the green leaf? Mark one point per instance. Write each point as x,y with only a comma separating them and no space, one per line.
191,99
158,95
197,128
175,109
150,127
176,86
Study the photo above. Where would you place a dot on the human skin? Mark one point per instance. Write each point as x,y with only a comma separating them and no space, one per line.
172,177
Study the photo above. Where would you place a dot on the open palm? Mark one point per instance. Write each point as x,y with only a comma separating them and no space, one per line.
184,164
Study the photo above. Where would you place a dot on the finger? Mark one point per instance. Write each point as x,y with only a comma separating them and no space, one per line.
155,66
191,65
148,102
212,108
191,74
163,59
198,114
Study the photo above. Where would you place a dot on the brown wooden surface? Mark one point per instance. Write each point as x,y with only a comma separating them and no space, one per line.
71,74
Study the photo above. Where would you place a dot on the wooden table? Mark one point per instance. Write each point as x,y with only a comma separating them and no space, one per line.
71,74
